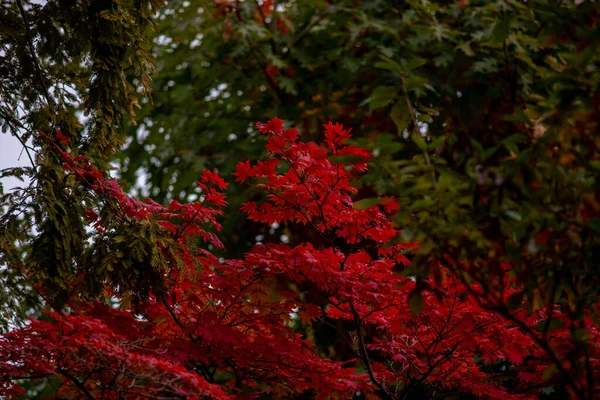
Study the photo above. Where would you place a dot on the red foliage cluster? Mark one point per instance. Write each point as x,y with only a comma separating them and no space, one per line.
226,327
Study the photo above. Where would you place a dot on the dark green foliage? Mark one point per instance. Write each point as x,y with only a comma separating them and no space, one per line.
59,58
483,116
129,255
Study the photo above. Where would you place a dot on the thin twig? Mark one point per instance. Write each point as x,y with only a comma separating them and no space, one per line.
14,130
364,357
415,128
79,385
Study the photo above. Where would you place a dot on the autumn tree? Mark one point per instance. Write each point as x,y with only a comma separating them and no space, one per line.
229,327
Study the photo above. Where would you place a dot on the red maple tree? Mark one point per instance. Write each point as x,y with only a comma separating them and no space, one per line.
228,328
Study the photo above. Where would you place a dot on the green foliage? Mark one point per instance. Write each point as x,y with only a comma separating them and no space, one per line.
131,256
482,116
61,60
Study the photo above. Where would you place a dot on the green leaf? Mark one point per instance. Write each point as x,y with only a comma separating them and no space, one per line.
400,114
487,65
466,48
412,82
382,96
519,116
443,60
423,118
367,203
488,153
415,82
511,143
500,31
390,65
288,85
553,325
415,302
550,372
419,141
414,63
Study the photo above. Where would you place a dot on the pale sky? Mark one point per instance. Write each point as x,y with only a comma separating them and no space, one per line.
10,148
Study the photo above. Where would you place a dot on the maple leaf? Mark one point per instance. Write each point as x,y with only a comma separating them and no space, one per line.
90,215
60,136
273,126
214,178
309,313
335,135
243,171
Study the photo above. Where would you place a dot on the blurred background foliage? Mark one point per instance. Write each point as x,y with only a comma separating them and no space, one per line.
482,116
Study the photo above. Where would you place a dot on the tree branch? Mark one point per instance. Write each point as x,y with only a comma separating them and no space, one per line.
79,385
34,58
415,128
364,357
